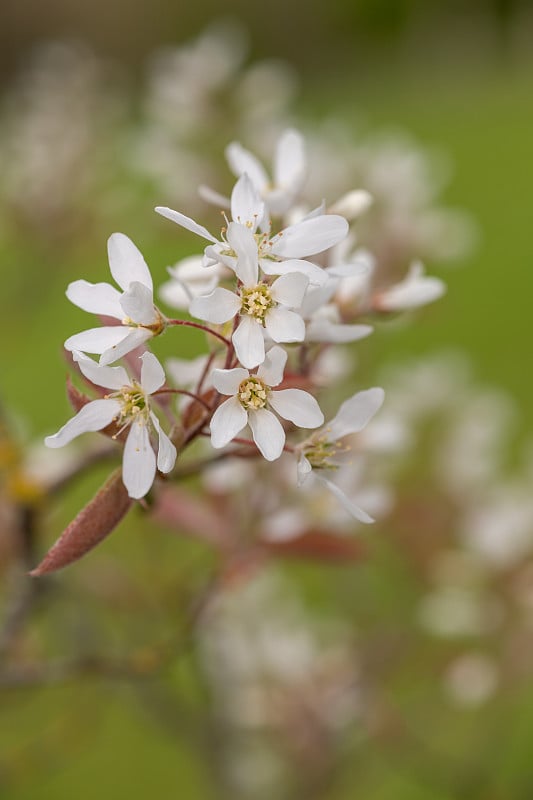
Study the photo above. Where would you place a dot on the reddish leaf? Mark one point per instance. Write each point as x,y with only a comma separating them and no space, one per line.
94,522
76,398
317,545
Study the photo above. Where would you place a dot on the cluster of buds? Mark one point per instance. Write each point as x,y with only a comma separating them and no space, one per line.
271,291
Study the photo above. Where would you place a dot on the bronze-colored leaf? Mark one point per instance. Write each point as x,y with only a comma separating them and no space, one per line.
94,522
317,545
76,398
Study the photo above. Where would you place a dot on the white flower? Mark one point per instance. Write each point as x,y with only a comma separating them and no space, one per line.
285,252
258,304
416,289
250,403
189,279
134,307
288,173
129,407
318,454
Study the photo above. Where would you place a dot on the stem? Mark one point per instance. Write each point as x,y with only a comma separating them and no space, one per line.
200,327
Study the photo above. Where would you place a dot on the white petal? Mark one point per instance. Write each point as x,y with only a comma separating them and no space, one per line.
135,338
241,161
322,330
227,421
350,507
166,453
242,241
152,373
138,304
185,222
97,340
93,417
186,372
289,289
138,463
226,381
297,406
355,413
310,236
213,197
127,262
414,291
303,469
352,204
271,370
284,325
110,377
289,161
217,307
97,298
249,342
246,204
316,274
267,432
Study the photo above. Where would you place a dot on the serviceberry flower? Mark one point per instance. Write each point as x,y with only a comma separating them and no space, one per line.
129,407
251,401
258,304
324,451
134,307
279,254
415,290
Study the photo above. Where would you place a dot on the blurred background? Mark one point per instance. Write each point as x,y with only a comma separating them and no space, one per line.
404,673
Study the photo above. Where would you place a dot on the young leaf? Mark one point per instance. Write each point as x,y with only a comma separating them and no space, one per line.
94,522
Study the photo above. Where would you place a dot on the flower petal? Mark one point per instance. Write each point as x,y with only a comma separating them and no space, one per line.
110,377
350,507
289,161
297,406
355,413
303,469
126,262
138,304
323,330
242,241
284,325
218,307
226,381
185,222
97,340
152,373
267,432
249,342
241,160
271,370
135,338
289,289
246,204
316,274
138,463
352,204
213,197
227,421
97,298
310,236
93,417
166,453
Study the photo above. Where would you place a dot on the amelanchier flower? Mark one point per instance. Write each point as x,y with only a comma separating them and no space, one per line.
417,289
257,303
134,307
323,452
280,254
251,401
128,406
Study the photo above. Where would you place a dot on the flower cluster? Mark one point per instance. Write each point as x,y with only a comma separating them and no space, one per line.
273,292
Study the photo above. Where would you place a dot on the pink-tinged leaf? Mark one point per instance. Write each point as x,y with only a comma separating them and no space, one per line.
180,510
76,398
94,522
317,545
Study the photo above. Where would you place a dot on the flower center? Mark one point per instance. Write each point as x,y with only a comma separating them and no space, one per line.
320,450
134,405
257,301
252,393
